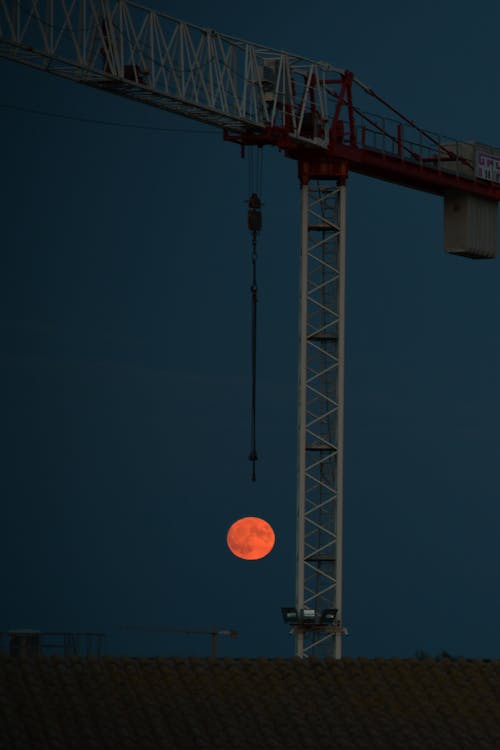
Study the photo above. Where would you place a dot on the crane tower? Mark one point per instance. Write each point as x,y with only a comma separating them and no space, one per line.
317,115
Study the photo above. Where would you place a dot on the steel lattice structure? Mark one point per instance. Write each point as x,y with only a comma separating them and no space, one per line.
320,417
162,61
256,94
330,123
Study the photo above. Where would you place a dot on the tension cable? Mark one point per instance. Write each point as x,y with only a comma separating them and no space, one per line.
254,225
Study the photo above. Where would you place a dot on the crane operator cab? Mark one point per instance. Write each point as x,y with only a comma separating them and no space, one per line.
130,71
279,89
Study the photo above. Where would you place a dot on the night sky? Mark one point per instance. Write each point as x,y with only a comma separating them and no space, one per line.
125,358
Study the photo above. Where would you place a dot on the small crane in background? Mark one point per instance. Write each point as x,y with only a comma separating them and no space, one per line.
214,633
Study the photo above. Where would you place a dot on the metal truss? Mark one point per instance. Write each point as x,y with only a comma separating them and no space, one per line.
320,419
151,57
256,94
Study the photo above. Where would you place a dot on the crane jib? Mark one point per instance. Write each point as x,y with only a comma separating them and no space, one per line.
256,94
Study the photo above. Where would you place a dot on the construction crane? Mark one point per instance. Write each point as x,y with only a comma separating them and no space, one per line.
331,124
214,633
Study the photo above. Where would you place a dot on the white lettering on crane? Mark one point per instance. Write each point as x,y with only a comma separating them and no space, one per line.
487,166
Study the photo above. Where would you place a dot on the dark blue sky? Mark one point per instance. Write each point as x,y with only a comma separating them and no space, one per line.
124,359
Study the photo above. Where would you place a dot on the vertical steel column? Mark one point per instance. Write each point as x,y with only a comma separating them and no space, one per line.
320,419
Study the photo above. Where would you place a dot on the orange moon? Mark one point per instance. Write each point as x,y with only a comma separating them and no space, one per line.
250,538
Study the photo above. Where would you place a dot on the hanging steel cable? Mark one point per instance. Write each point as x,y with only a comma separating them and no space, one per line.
254,225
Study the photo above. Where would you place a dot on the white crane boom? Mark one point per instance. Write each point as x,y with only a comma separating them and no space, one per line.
256,94
151,57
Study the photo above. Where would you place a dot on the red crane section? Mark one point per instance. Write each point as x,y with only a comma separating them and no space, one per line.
386,145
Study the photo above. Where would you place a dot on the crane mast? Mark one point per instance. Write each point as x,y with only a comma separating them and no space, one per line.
330,123
316,618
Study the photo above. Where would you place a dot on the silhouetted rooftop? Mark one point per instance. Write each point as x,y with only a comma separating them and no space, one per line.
243,704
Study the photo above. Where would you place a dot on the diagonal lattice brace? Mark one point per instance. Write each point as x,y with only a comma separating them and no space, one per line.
321,405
